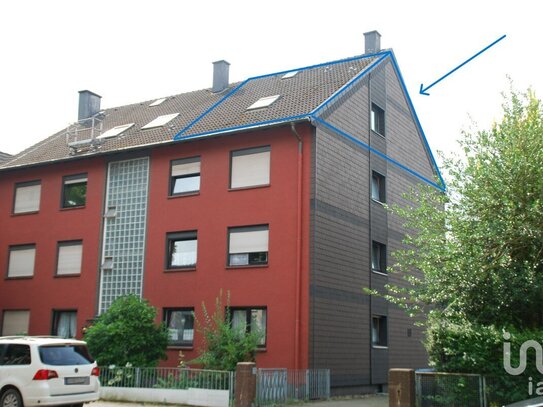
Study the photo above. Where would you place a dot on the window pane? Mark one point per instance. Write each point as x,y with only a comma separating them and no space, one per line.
15,322
181,326
27,198
21,262
186,184
69,258
75,194
65,324
250,169
375,257
258,324
17,355
375,187
239,320
239,259
183,253
249,241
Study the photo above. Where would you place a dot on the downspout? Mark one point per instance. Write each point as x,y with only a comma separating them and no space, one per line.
298,248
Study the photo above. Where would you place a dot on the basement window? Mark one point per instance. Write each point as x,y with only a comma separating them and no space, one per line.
115,131
160,121
264,102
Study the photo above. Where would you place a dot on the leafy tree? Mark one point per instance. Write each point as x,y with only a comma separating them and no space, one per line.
127,334
478,250
225,345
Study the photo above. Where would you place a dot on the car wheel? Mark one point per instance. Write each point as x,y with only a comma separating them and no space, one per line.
11,398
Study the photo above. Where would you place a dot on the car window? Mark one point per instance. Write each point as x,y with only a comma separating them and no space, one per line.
65,355
15,355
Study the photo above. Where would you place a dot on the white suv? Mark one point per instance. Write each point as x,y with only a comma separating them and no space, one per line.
45,371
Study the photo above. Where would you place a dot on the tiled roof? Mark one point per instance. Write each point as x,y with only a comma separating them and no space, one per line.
203,112
4,156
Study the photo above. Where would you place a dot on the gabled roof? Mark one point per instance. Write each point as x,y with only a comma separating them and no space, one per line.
202,112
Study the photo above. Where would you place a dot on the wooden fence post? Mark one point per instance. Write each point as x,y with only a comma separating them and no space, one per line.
401,388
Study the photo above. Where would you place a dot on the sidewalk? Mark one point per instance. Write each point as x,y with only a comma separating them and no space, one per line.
374,400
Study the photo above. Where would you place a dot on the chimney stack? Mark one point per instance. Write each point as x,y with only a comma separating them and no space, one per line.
89,104
220,76
372,40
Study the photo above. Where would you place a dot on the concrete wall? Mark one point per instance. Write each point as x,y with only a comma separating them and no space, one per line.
191,397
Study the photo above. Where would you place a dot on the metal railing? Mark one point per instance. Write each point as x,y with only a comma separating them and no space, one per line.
166,378
436,389
279,386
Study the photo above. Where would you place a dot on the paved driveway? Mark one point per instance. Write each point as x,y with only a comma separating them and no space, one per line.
362,401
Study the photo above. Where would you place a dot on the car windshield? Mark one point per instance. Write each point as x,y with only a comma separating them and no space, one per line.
64,355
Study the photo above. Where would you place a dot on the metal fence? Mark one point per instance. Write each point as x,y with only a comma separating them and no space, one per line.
166,378
279,386
436,389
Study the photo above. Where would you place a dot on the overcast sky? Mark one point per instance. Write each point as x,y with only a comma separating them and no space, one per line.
131,51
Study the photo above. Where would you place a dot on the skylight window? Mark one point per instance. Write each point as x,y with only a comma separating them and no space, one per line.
160,121
157,102
115,131
289,74
264,102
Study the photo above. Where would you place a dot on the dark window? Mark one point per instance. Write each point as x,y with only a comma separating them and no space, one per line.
180,323
378,257
379,335
27,197
185,176
64,324
74,191
378,187
248,245
15,355
182,250
250,320
377,119
65,355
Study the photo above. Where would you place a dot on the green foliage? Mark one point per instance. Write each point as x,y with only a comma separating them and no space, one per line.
224,345
478,250
127,334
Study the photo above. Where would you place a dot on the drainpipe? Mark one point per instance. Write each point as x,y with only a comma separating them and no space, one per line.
297,311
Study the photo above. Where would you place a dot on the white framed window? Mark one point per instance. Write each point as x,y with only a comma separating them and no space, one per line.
69,258
181,250
248,245
378,187
15,323
27,197
64,324
21,261
379,330
250,319
180,323
185,176
250,167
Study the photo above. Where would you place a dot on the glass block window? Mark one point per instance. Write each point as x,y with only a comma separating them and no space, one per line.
27,197
248,245
124,234
185,176
21,261
249,319
180,323
74,191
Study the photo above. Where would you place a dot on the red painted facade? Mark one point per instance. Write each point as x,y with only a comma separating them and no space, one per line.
283,205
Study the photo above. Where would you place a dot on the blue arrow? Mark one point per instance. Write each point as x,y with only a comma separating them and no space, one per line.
423,90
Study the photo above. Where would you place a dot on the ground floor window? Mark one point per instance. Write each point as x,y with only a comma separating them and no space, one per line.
15,323
248,319
180,323
64,324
